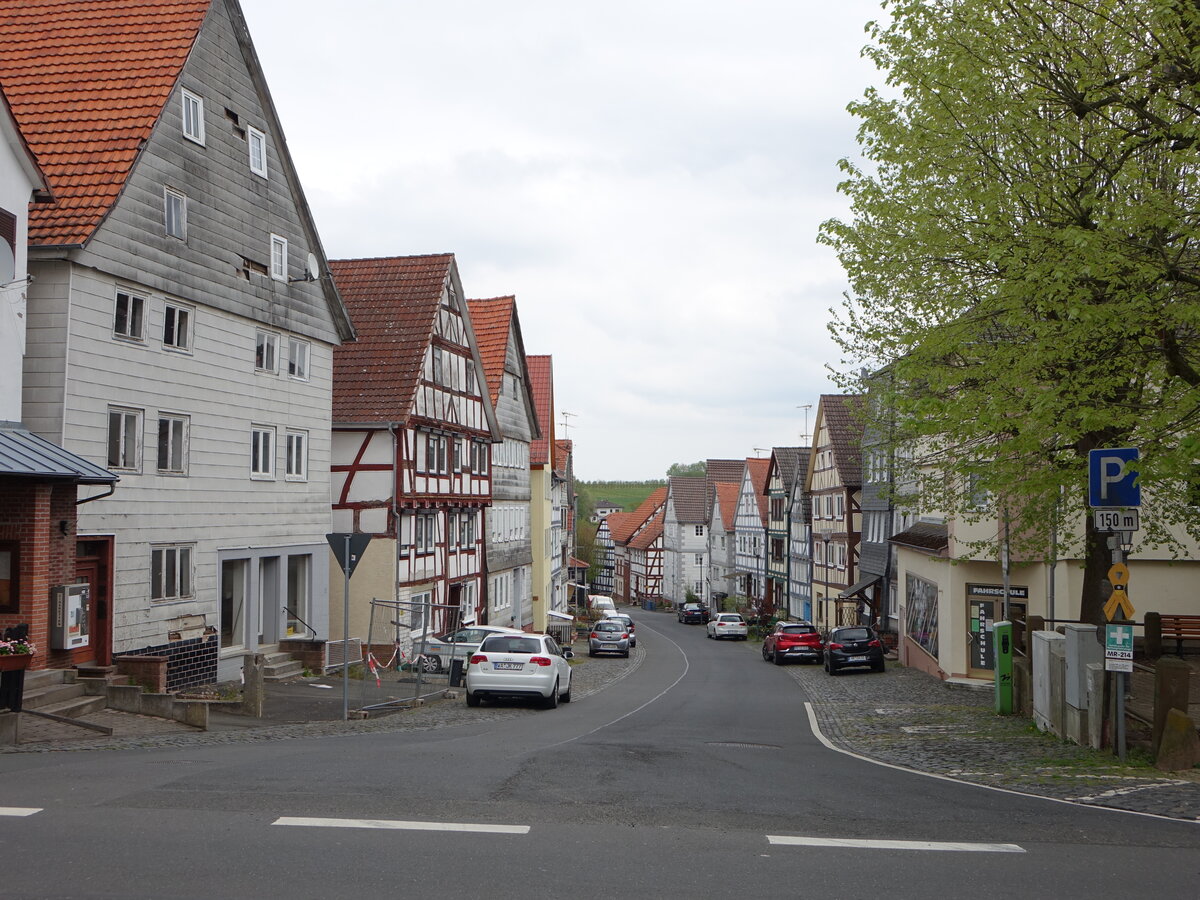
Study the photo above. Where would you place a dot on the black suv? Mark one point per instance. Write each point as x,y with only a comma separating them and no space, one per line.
851,646
693,612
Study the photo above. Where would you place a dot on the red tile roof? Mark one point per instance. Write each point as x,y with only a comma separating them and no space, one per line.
541,385
648,535
562,452
87,80
618,523
393,303
492,320
630,522
759,470
727,496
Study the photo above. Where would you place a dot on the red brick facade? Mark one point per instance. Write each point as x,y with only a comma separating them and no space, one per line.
37,523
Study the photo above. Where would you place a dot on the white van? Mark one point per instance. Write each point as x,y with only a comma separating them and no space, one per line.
601,604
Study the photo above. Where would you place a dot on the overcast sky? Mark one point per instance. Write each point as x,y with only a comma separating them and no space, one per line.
646,178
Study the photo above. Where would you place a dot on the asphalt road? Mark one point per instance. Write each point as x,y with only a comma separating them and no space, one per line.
697,775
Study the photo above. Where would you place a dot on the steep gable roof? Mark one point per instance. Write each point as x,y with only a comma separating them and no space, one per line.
717,471
727,493
788,461
648,535
619,523
688,495
393,303
541,384
10,134
629,523
758,471
87,80
845,424
562,453
493,319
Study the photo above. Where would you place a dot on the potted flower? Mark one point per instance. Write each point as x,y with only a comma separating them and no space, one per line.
15,653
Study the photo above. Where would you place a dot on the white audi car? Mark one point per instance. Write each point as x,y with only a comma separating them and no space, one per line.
518,666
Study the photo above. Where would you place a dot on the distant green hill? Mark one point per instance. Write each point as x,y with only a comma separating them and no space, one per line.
626,494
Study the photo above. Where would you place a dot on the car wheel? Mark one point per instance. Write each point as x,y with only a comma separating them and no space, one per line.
878,667
431,663
626,654
831,669
591,653
765,656
551,702
566,698
472,699
778,659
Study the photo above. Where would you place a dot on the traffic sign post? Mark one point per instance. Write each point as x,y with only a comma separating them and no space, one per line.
348,548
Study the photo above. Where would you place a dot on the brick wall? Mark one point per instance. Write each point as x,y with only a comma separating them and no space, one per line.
189,663
30,514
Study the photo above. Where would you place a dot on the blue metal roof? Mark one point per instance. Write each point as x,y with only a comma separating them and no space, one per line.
24,454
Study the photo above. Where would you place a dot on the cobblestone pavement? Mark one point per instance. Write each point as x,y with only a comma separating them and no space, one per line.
909,719
147,732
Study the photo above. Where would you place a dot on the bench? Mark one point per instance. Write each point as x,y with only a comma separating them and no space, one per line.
1176,628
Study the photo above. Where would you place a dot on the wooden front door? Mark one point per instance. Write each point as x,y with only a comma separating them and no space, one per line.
93,564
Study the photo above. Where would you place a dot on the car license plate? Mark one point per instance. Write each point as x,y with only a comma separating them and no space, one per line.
508,665
857,659
608,646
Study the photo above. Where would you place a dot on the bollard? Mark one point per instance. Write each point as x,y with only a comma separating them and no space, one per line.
1152,642
252,689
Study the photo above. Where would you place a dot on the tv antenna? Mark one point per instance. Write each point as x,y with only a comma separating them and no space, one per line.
805,437
566,422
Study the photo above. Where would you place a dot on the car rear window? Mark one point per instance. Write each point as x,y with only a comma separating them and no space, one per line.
799,629
506,644
854,634
609,626
734,619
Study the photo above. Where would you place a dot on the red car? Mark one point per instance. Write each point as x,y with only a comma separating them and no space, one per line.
793,640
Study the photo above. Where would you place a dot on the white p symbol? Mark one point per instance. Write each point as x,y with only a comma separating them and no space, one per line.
1112,471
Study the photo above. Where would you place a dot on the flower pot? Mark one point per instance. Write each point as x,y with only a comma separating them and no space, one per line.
13,662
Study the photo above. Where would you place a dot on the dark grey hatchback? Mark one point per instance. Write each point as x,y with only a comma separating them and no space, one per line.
851,646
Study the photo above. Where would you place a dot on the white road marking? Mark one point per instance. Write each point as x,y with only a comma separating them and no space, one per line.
830,745
960,846
19,810
393,824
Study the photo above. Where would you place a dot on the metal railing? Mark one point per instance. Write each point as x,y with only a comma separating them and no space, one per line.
292,615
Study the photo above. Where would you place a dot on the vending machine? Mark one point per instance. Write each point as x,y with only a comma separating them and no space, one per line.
69,608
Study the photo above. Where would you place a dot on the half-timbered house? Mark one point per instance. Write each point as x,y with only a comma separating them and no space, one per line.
180,325
637,575
507,535
781,474
413,428
541,489
722,539
750,528
834,481
800,543
602,565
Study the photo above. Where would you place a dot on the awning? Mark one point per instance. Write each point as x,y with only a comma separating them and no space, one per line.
23,454
859,587
554,614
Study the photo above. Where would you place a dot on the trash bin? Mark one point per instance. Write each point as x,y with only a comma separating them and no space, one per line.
456,672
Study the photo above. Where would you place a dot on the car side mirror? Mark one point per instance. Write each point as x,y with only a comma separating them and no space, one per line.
568,653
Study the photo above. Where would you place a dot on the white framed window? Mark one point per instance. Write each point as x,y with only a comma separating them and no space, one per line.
484,456
262,451
177,326
175,213
124,438
425,532
193,116
296,455
420,604
170,571
279,258
452,532
470,377
266,351
173,444
129,316
256,141
699,559
466,529
699,531
298,359
438,363
840,502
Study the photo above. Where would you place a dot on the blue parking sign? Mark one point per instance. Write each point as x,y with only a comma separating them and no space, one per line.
1111,479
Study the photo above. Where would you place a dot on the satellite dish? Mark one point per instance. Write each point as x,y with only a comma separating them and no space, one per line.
310,267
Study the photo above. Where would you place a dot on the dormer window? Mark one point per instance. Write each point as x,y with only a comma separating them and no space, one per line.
257,142
193,117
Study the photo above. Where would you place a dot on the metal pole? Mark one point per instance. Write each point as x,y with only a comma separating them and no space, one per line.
1004,568
1121,676
346,635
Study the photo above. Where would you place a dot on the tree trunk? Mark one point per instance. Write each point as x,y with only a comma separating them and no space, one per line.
1096,587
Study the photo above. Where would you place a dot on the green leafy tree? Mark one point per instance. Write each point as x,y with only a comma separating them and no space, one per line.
687,470
1023,258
